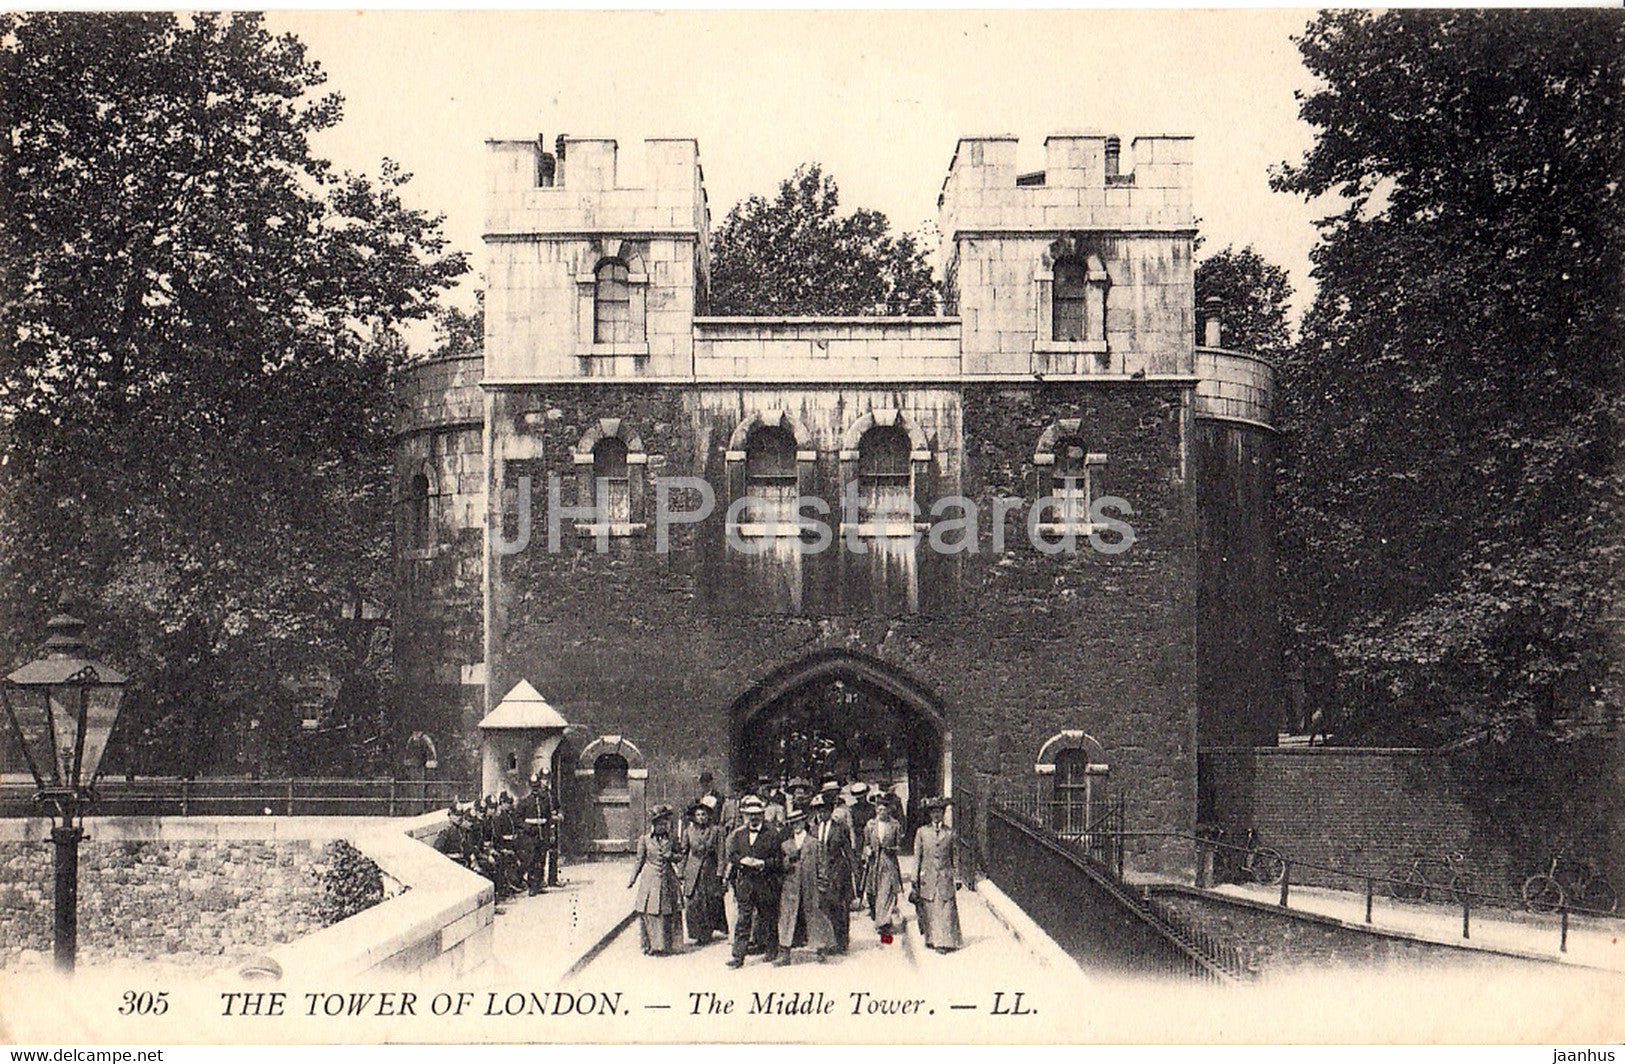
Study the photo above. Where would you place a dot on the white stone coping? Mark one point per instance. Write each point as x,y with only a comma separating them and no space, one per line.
445,905
1015,919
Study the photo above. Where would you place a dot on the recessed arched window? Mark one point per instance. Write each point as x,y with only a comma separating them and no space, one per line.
1073,295
419,528
1080,795
612,481
1070,483
609,774
885,480
612,304
1070,320
771,477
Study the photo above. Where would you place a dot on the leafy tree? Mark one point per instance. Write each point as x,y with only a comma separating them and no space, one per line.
796,254
1255,293
196,343
1453,411
459,331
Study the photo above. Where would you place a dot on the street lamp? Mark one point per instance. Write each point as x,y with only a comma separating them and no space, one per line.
62,708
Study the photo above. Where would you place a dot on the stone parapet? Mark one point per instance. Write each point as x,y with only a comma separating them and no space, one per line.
1234,386
585,194
825,348
442,392
1079,188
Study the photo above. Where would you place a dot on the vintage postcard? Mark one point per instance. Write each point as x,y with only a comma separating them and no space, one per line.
1057,526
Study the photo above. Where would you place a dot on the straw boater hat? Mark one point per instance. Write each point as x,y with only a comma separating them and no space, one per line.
938,803
659,812
859,789
830,784
798,813
818,802
751,804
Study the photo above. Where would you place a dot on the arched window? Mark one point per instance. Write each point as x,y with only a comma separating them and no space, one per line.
419,526
612,304
1072,304
609,775
885,479
1070,320
1080,795
1070,483
612,481
771,476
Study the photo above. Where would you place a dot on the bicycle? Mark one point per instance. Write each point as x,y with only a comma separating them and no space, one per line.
1569,882
1259,864
1411,882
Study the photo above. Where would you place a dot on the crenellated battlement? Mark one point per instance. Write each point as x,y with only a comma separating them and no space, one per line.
576,185
1088,182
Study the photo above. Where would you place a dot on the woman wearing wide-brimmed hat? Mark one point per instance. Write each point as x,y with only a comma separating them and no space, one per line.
701,848
884,837
657,902
934,897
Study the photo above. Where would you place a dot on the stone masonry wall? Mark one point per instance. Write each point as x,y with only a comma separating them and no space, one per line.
1366,810
1015,647
192,906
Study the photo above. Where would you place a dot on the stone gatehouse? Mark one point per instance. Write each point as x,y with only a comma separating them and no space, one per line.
1064,364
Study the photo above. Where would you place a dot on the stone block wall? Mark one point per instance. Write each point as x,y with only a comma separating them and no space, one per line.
1234,385
439,583
1014,646
1149,306
1366,810
825,349
190,906
1239,656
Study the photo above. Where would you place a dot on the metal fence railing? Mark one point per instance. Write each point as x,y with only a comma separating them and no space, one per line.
1074,887
247,796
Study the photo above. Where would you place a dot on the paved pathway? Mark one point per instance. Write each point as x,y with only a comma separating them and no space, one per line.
539,938
1597,943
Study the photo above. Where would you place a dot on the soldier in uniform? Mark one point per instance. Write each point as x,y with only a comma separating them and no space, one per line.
504,844
535,829
752,862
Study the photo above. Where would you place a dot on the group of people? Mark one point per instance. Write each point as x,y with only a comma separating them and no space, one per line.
514,844
798,870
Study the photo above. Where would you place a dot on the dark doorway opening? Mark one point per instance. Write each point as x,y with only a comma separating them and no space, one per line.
848,717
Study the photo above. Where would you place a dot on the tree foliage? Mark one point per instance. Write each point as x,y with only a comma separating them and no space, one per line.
195,351
797,254
1452,521
1255,294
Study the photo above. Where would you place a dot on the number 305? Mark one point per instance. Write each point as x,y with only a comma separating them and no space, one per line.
146,1003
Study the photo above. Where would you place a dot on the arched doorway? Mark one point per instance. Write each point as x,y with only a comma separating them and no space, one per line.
845,715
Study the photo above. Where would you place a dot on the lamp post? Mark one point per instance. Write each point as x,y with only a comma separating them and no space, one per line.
62,707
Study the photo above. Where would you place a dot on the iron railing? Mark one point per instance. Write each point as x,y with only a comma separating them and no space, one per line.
247,796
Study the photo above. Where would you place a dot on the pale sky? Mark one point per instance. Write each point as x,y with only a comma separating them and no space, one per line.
879,98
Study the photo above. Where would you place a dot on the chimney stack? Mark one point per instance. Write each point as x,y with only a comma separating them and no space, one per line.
1214,316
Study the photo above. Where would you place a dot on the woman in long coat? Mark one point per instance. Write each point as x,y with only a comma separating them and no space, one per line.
883,838
701,848
934,896
799,909
657,902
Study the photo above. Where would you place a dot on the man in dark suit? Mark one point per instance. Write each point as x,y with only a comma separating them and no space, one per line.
752,863
834,870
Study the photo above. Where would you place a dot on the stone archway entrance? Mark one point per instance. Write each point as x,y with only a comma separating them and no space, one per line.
845,715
